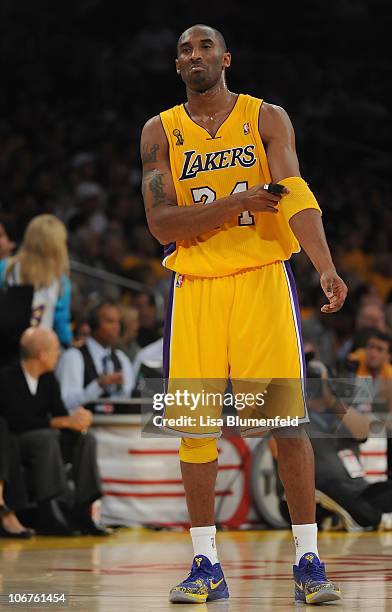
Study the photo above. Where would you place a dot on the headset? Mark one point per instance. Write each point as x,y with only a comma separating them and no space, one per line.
93,317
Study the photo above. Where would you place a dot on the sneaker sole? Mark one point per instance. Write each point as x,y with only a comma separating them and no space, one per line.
181,597
323,596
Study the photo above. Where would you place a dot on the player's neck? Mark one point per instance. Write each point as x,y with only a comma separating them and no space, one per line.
210,102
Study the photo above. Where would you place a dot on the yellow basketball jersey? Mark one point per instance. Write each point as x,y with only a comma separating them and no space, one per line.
205,169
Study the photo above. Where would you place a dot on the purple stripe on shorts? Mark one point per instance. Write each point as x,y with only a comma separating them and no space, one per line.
169,248
297,313
167,331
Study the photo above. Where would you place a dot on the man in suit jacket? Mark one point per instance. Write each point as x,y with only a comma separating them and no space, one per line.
48,437
96,369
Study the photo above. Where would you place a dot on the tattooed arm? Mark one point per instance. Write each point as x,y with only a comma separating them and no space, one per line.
169,222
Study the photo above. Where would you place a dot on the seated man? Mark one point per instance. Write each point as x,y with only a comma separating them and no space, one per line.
48,437
96,369
374,361
373,364
336,430
13,492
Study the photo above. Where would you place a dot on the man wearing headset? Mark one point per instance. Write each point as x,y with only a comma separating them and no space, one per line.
96,369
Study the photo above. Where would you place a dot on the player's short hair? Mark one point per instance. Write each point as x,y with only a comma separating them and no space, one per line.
218,35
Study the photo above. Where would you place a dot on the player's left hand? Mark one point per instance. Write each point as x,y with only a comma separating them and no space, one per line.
335,289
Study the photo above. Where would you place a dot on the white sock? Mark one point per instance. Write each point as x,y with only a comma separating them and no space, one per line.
305,540
203,539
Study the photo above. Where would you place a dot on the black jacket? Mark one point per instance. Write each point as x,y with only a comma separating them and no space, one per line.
24,411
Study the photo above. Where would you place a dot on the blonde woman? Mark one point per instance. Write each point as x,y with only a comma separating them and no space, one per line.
42,261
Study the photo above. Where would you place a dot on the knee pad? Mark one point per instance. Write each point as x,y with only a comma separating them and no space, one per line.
198,450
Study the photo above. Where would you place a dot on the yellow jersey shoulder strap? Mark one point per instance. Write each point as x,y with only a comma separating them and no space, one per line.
172,124
251,109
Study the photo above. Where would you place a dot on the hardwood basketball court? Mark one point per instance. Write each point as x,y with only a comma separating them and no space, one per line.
134,569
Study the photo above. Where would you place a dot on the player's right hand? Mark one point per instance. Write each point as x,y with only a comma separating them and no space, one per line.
258,199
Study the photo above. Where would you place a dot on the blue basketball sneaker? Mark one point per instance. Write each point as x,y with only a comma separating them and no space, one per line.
311,584
205,582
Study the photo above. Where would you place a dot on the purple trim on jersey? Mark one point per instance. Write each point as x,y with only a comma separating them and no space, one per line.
297,313
167,331
168,249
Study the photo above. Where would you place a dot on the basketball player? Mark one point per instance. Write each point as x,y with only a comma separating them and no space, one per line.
223,193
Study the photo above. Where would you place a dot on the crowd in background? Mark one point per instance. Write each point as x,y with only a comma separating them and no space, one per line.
77,99
71,116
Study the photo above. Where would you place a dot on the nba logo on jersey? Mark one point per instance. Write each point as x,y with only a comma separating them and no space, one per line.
180,280
246,129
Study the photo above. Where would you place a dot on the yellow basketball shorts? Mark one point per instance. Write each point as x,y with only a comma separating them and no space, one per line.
244,328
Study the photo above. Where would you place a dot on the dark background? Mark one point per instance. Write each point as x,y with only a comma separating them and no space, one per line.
326,62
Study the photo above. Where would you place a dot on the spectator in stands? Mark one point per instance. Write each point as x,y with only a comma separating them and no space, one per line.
375,358
129,331
48,437
336,430
381,276
370,316
83,167
114,250
150,327
142,261
90,208
42,261
81,332
96,369
77,155
87,248
372,369
7,245
13,493
373,364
